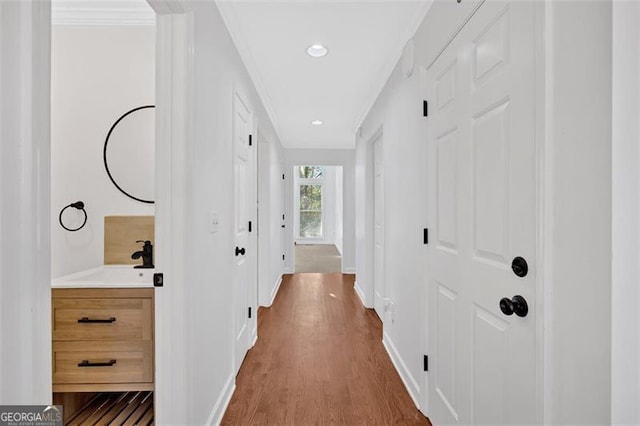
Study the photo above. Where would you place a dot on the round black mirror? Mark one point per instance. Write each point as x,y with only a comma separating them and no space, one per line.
129,154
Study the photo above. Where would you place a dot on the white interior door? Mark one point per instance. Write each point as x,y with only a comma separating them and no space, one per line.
483,211
283,224
378,221
242,191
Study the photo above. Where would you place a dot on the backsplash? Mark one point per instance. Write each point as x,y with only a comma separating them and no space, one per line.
121,234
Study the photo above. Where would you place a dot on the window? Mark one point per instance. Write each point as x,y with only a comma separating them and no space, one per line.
310,172
310,211
310,180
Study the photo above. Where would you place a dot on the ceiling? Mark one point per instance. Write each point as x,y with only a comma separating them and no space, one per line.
365,40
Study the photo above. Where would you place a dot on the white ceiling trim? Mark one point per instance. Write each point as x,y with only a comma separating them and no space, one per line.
388,67
233,25
102,13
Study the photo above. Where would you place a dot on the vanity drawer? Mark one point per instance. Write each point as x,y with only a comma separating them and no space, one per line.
102,319
117,362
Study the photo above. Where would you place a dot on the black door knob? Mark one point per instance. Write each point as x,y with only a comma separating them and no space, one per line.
516,305
506,306
240,251
520,307
519,266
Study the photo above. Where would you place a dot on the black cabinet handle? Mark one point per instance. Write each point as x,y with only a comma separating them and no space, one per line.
86,320
86,363
240,251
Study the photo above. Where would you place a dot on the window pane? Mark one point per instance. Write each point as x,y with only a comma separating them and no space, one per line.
310,172
310,197
310,224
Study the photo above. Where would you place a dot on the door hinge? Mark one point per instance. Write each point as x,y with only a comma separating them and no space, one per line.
283,257
283,176
158,279
425,108
250,140
282,217
426,363
249,311
425,236
249,226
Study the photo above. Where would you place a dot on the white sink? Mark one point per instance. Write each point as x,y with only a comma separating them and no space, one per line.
107,276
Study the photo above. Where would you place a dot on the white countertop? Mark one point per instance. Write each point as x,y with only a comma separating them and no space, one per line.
108,276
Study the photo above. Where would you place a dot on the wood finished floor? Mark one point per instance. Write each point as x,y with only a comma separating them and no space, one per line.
319,359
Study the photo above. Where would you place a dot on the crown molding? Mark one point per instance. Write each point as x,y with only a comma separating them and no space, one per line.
387,69
234,28
102,13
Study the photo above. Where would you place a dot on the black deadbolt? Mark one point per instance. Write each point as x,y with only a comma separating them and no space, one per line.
520,267
516,305
240,251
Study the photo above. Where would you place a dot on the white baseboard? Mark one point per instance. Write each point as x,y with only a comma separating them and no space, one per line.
348,270
360,294
223,402
409,381
274,290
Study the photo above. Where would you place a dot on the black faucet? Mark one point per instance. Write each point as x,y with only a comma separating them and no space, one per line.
146,253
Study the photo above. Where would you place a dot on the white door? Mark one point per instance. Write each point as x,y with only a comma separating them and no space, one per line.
242,190
281,199
483,215
378,221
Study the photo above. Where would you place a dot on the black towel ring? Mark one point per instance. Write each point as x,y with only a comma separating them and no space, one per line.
78,205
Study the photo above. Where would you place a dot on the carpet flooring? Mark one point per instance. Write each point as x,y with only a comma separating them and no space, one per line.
317,258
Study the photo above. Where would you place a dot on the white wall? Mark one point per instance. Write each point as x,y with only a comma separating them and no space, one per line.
625,392
98,74
25,292
397,111
327,157
578,212
218,72
271,208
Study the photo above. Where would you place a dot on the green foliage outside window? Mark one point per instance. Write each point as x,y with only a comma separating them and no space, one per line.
310,172
311,211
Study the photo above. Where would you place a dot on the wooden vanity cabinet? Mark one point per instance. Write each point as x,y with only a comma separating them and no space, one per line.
102,339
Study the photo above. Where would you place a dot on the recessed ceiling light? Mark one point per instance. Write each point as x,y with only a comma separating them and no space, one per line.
317,50
316,122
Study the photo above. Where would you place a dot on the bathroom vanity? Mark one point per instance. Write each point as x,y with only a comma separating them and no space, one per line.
102,334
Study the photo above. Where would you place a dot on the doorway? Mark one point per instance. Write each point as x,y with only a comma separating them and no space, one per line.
378,224
102,199
318,193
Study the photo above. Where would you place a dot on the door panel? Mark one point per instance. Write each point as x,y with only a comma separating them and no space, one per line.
242,192
446,174
482,201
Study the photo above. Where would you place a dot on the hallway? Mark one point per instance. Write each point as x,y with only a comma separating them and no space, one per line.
319,359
